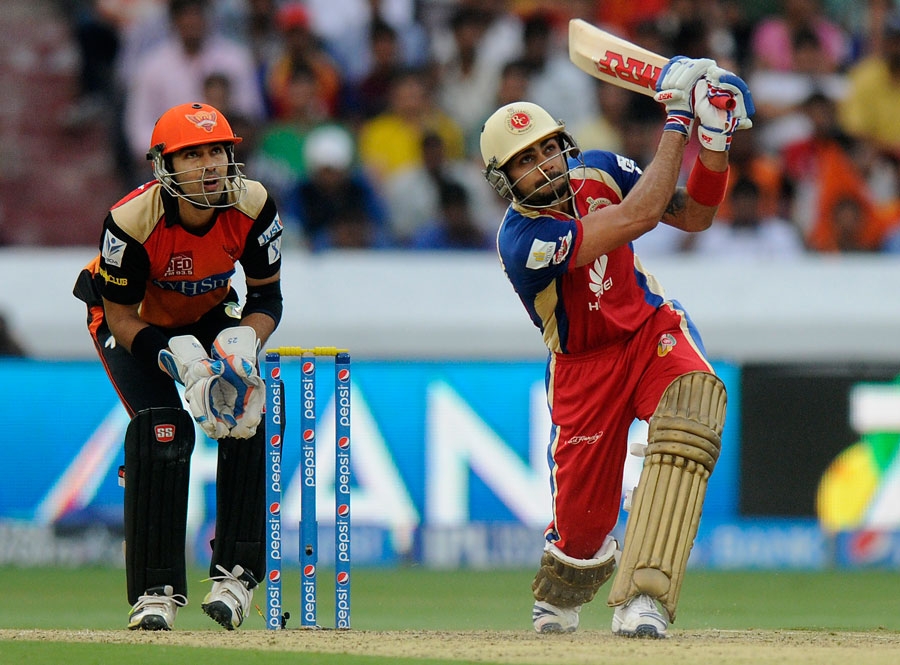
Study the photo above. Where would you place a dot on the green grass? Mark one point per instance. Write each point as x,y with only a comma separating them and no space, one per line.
416,598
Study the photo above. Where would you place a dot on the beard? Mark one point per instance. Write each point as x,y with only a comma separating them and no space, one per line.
551,193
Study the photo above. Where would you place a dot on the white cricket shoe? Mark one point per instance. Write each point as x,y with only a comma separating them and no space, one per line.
156,609
640,617
231,597
549,618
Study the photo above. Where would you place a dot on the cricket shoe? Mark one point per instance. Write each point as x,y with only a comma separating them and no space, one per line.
231,596
549,618
640,617
156,609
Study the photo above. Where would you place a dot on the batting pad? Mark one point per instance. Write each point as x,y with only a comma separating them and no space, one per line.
683,446
158,447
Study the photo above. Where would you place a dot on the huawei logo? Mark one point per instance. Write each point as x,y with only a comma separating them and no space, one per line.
599,283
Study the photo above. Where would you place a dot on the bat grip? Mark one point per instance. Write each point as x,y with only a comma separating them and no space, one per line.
726,103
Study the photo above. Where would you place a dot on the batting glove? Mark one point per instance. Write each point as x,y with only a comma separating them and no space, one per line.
674,87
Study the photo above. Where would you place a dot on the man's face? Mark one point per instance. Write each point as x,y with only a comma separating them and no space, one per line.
538,173
201,171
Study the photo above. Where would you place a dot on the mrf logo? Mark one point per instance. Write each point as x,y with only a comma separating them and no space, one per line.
630,70
164,433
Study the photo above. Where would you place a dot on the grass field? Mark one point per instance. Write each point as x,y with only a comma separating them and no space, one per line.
415,599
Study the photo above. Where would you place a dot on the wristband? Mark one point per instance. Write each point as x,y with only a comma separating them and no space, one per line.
707,187
147,344
679,121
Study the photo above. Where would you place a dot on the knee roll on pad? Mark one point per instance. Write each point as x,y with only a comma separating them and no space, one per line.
241,505
683,445
566,582
158,447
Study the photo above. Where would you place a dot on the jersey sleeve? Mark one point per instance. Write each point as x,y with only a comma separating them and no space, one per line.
536,250
262,252
623,170
124,265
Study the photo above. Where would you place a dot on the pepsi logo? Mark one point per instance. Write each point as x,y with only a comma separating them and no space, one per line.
309,570
342,578
274,575
344,442
309,435
344,375
275,373
275,441
275,508
343,510
308,367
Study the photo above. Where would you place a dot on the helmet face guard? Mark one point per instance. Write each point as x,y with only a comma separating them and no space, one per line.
189,125
510,130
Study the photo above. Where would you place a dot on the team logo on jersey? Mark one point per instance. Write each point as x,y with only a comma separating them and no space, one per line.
113,249
205,120
180,264
599,283
595,204
232,310
540,254
666,343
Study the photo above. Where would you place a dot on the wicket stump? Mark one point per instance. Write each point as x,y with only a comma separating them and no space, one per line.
309,530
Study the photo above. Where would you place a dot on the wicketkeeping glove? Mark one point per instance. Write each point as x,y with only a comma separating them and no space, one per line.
237,349
209,397
674,87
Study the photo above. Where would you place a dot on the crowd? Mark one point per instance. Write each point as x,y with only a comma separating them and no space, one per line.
363,116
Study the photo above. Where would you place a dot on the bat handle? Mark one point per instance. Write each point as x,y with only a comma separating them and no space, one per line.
724,102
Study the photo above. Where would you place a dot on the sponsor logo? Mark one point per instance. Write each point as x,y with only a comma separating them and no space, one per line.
309,570
274,228
596,204
205,120
275,441
342,578
274,250
309,434
343,510
599,283
666,343
113,249
110,279
164,433
586,439
199,287
275,373
274,575
233,310
540,254
274,508
308,367
344,442
344,375
180,265
565,244
630,70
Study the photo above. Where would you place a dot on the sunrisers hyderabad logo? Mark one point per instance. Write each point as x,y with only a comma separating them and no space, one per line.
205,120
518,122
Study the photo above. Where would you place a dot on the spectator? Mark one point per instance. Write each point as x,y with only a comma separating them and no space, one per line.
302,48
747,160
174,72
468,82
369,96
217,92
453,227
554,83
392,141
869,111
413,194
779,94
606,129
278,158
748,233
772,39
336,205
822,173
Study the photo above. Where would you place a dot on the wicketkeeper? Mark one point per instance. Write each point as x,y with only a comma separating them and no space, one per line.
619,348
161,310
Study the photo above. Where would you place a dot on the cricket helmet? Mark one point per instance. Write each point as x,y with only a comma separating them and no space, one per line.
511,129
189,125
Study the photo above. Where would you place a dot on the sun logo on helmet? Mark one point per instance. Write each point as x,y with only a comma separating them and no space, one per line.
205,120
519,122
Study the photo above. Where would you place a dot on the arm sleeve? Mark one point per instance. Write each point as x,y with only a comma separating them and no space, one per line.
262,252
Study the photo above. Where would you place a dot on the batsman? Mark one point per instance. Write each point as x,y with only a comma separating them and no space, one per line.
162,311
619,348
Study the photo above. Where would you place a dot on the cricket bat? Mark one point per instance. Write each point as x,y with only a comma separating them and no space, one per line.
609,58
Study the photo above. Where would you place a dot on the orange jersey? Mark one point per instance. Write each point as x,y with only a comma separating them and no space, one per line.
177,276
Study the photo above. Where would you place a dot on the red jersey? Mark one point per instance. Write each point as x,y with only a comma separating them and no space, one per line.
148,257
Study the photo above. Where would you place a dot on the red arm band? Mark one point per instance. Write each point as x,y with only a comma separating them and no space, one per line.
707,187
